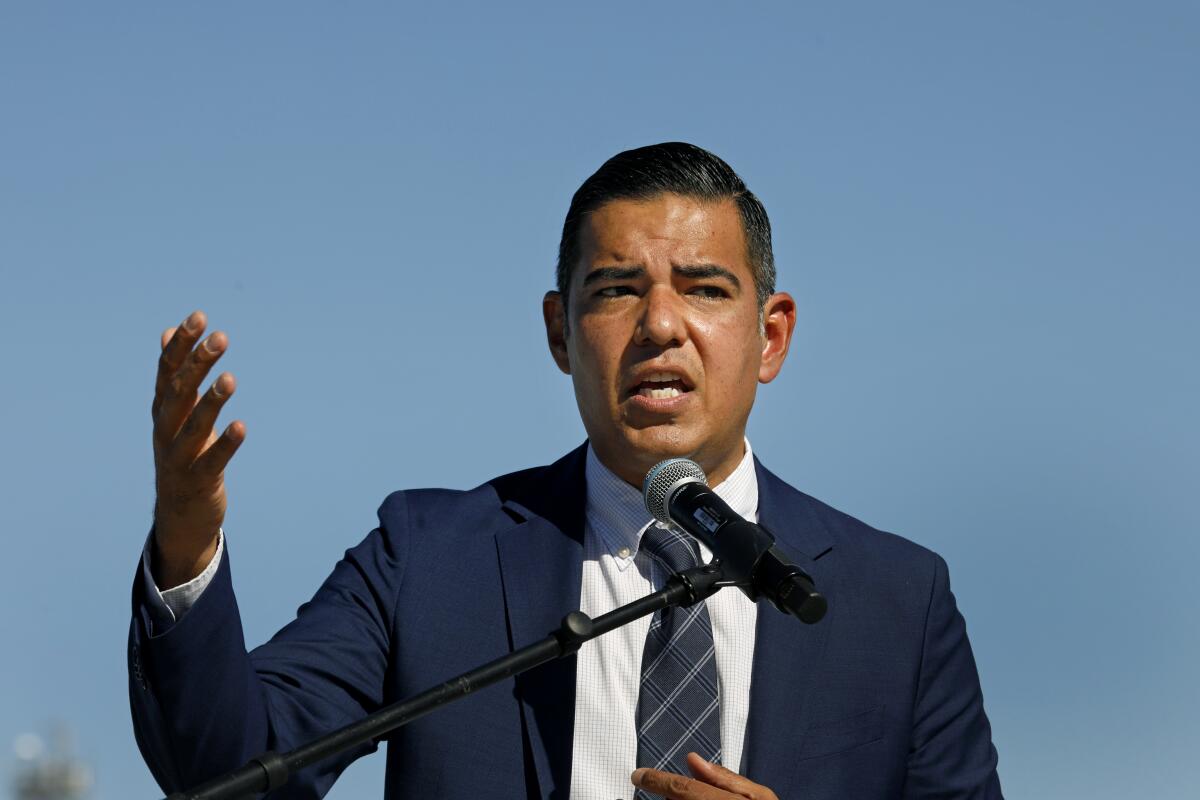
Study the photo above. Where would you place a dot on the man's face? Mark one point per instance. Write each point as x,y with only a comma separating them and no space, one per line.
662,334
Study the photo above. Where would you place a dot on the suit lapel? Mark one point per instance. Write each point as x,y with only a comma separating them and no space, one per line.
541,558
787,653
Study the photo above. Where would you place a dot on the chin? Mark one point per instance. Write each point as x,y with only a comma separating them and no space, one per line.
655,444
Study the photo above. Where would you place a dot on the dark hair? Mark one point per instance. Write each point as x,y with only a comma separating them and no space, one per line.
670,168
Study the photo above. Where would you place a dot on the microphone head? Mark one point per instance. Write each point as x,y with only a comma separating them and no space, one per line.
662,480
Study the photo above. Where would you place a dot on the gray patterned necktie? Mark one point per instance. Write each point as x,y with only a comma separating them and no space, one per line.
678,708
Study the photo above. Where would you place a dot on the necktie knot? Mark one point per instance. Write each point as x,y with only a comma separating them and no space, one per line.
674,550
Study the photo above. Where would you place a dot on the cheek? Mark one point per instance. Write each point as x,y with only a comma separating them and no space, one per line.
597,350
592,371
732,355
736,388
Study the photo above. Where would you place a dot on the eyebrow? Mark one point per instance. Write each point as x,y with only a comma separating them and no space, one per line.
693,271
702,271
613,274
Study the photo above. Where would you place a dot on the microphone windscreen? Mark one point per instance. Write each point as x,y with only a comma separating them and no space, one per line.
662,479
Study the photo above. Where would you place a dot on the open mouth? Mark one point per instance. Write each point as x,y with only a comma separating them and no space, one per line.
660,386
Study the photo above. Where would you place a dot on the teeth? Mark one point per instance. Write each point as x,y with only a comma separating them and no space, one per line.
662,377
659,394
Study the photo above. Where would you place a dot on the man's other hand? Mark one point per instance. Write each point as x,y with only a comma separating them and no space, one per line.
711,782
189,458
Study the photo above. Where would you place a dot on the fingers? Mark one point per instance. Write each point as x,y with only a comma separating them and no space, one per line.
730,781
176,344
212,462
675,787
174,400
197,430
712,782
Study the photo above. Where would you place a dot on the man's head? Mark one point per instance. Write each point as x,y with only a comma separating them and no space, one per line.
666,275
670,168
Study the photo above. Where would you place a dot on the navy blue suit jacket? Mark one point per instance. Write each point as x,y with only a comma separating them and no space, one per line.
879,700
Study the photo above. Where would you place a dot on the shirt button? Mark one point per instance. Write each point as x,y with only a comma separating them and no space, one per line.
624,552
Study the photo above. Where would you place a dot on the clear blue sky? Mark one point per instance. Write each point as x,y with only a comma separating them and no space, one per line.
987,212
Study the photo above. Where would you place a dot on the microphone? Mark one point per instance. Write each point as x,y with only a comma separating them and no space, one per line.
676,493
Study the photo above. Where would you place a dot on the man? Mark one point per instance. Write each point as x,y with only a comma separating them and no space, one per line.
666,318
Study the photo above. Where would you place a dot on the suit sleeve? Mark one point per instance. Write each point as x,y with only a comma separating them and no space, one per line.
951,755
203,705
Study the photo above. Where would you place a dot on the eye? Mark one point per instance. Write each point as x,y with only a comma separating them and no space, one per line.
614,291
709,292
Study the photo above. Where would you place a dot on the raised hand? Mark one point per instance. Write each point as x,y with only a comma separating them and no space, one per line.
189,457
711,782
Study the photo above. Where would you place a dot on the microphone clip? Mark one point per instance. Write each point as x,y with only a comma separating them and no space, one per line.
702,582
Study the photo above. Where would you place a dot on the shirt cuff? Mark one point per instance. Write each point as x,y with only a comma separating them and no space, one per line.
168,606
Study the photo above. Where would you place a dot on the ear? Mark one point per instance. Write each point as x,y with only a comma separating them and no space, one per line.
779,321
554,312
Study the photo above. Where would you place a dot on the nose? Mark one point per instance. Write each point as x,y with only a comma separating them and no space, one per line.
662,320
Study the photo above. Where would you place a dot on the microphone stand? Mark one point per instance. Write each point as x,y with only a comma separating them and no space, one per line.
271,770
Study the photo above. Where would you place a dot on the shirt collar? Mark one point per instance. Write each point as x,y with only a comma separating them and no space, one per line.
615,510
